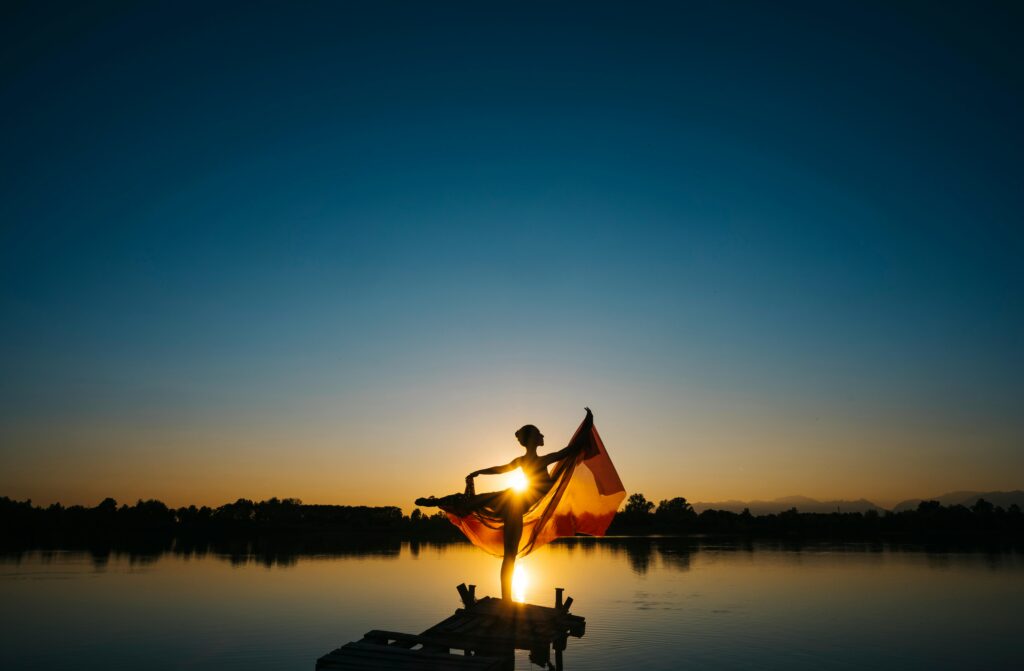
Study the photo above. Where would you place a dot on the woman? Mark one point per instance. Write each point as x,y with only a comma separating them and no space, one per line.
509,506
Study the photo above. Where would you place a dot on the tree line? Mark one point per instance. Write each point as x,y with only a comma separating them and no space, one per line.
23,524
21,521
930,519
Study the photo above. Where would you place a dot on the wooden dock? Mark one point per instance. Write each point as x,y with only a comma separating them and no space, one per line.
483,636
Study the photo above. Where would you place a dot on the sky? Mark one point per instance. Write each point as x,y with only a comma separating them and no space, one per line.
342,251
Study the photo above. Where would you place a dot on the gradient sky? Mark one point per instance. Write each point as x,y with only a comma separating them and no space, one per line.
342,251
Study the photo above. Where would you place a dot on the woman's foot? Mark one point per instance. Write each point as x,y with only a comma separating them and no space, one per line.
427,501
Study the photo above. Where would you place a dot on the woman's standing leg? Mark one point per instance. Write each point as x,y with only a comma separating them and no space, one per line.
513,528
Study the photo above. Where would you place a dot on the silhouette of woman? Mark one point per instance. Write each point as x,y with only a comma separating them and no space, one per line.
510,505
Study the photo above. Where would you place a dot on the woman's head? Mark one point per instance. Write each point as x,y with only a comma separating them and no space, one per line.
530,436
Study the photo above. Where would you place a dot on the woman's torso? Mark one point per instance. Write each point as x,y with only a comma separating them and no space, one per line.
536,472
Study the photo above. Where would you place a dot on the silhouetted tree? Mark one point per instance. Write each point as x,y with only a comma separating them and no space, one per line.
982,507
674,514
107,507
637,504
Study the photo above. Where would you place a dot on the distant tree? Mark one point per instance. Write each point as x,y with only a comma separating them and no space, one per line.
148,515
674,513
638,505
982,507
242,510
678,505
107,506
790,515
635,516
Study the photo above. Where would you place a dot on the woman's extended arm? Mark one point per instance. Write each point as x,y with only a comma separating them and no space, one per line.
495,470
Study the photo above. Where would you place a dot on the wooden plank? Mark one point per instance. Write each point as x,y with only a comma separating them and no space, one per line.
445,660
390,638
440,640
524,620
361,656
442,644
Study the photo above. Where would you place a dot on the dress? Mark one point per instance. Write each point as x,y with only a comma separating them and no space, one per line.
584,494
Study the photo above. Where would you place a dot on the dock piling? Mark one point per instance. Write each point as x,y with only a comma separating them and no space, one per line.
466,594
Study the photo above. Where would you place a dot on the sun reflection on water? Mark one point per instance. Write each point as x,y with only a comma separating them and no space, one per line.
520,581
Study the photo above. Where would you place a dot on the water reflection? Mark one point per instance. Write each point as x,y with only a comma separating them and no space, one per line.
653,603
641,553
265,551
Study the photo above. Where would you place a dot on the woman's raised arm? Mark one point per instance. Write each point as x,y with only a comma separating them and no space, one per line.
569,450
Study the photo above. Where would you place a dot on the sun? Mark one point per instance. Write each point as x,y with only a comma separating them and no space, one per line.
519,481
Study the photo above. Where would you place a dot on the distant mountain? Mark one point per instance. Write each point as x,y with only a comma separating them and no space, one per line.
966,498
802,503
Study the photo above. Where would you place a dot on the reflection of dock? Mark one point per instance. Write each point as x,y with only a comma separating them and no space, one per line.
483,635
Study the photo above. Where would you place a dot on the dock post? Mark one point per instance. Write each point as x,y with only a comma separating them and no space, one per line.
472,594
558,597
559,647
465,594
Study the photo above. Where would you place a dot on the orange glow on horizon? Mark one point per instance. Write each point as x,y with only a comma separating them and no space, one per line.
337,461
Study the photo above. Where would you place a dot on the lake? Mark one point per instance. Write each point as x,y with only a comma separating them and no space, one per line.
658,603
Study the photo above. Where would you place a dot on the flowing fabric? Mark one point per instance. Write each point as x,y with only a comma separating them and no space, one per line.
583,499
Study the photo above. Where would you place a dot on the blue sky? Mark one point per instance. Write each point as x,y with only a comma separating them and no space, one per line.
248,250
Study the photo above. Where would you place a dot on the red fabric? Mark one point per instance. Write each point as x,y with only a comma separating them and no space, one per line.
585,495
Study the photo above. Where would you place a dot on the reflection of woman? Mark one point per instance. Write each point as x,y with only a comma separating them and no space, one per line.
511,505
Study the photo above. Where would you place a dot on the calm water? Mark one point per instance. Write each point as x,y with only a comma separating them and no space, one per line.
649,604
